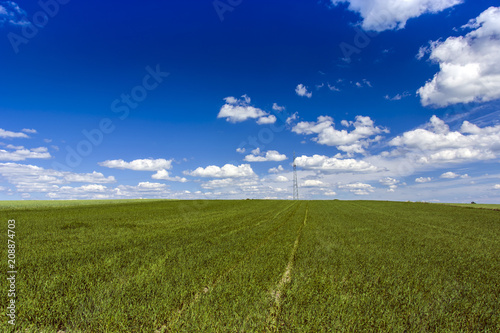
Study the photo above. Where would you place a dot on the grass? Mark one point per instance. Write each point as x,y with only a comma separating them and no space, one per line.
483,206
254,266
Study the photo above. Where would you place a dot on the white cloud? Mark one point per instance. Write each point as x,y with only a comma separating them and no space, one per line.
449,175
31,178
358,188
227,171
94,191
351,142
240,150
380,15
330,193
397,97
11,13
278,108
302,91
21,153
269,156
94,177
271,119
11,135
332,164
29,130
282,179
139,165
469,66
496,187
164,175
391,183
292,118
333,88
238,110
436,143
276,170
423,179
313,183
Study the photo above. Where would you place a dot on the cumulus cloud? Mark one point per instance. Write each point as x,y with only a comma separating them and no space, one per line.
227,171
94,191
449,175
380,15
29,130
453,175
302,91
333,165
139,165
358,188
238,110
277,169
164,175
271,119
423,179
11,135
269,156
355,141
313,183
496,187
281,179
469,66
391,183
437,143
31,178
240,150
11,13
20,153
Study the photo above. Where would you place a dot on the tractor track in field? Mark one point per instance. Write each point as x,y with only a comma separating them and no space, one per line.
286,277
178,313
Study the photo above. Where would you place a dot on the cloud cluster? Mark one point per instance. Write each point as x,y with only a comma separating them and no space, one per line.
19,153
11,135
268,156
138,165
423,179
94,191
333,165
469,66
238,110
380,15
11,13
351,142
313,183
164,175
436,143
227,171
358,188
302,91
391,183
31,178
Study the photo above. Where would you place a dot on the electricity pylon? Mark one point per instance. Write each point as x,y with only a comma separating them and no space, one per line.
295,183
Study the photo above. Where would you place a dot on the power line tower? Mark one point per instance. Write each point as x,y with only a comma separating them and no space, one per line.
295,183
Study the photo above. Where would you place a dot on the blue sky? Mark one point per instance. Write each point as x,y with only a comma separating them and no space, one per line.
175,99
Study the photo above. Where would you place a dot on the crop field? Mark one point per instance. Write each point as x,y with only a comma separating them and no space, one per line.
253,266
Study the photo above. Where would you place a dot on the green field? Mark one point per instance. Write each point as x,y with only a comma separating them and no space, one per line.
482,206
253,266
